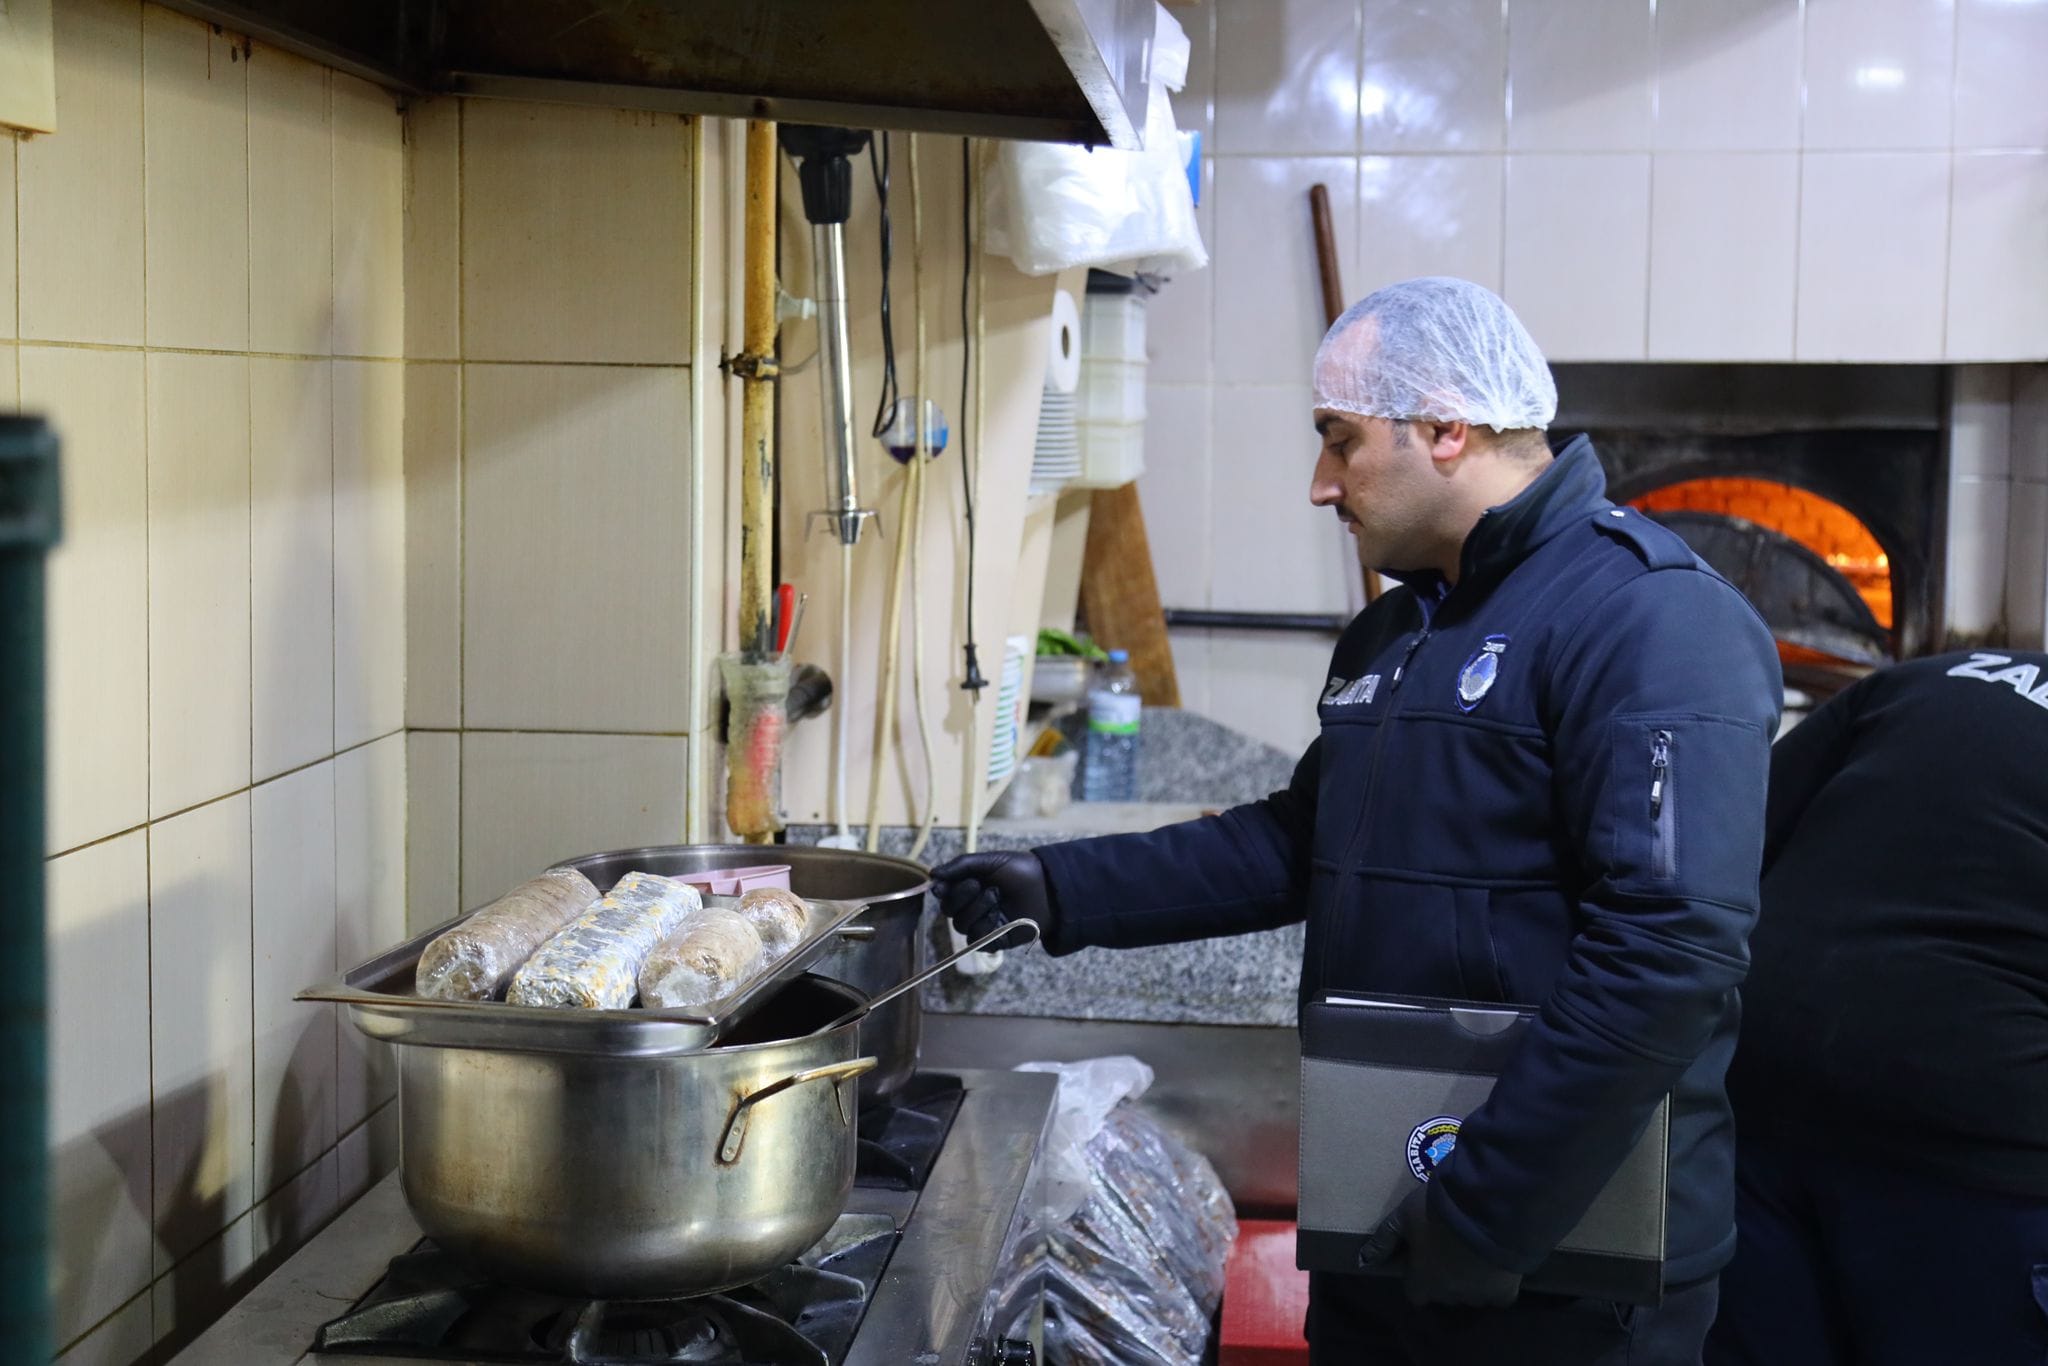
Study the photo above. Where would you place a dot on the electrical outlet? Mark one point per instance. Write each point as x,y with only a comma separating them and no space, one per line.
28,66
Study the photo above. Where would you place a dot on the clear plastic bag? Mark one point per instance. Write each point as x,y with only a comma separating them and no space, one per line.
755,691
1053,205
1136,1225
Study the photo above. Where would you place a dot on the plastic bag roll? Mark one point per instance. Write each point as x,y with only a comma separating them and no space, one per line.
780,917
595,961
712,956
474,961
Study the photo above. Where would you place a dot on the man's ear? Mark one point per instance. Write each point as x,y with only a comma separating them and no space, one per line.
1447,440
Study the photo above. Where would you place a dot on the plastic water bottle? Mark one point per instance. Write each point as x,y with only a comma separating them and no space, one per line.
1109,768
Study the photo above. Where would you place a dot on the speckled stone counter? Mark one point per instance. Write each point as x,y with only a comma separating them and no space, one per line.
1188,764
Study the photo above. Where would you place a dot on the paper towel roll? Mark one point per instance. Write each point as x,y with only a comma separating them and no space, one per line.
1063,345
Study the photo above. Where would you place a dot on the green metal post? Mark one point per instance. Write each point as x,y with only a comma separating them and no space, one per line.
29,520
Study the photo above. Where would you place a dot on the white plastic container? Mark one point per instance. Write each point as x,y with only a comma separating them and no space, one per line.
1112,454
1113,327
1111,390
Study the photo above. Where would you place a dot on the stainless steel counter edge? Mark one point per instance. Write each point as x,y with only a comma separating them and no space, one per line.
929,1305
929,1301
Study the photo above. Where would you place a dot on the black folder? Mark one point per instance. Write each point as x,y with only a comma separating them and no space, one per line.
1385,1083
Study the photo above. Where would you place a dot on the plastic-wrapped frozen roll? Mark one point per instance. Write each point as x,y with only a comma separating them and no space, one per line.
474,961
779,916
594,962
713,955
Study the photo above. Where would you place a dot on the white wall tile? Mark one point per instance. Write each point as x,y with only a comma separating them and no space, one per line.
1266,684
1269,301
8,232
1998,55
1728,75
99,1080
1435,76
291,206
80,194
1191,669
1865,294
369,220
1978,510
368,1153
433,545
1578,277
369,550
1580,75
1273,551
98,614
1724,230
1980,421
1879,73
201,1287
9,375
2026,571
433,228
433,828
198,578
200,1024
120,1341
575,234
1998,257
1287,76
291,473
195,126
292,884
1422,215
1194,106
295,1212
369,861
574,564
1177,319
2029,422
1174,491
529,800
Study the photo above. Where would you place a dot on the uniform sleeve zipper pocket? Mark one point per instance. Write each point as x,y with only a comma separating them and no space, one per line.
1663,821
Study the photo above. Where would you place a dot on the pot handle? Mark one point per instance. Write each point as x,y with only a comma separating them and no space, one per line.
1008,927
735,1136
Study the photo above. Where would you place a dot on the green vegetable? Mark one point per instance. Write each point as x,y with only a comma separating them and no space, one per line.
1051,642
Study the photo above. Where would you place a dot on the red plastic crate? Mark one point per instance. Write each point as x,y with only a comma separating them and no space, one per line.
1264,1299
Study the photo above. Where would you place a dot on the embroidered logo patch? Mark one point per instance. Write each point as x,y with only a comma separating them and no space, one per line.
1475,680
1344,692
1430,1143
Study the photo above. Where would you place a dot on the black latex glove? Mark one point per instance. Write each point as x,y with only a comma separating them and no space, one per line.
1442,1268
981,892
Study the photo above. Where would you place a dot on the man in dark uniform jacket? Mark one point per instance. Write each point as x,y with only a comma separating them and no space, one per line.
1891,1088
1540,779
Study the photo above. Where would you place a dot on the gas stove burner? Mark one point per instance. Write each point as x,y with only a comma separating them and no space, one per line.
900,1137
429,1307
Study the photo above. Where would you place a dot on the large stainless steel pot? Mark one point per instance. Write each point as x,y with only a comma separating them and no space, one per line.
622,1178
894,889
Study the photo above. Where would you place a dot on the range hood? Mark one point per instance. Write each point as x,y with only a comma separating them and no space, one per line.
1047,70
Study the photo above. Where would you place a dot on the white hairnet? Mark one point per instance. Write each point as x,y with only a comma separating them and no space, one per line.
1436,348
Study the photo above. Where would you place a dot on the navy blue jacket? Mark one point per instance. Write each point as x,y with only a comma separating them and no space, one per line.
1546,786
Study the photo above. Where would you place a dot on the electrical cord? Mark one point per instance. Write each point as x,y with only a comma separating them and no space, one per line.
971,680
878,166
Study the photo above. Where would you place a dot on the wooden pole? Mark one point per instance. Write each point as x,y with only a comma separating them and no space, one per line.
1331,274
757,397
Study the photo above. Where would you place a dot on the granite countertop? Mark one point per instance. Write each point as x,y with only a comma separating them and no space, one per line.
1188,764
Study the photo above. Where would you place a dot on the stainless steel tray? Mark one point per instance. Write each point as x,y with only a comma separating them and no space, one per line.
379,995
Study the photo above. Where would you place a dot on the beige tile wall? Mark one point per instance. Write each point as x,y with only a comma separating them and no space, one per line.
547,461
202,267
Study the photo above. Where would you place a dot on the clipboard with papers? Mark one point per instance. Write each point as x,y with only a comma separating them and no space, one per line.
1386,1081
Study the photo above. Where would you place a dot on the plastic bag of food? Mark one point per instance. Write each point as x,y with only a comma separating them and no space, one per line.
474,961
1053,206
1136,1225
594,961
714,954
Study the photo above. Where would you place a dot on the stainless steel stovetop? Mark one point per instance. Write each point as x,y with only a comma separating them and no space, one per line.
953,1285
